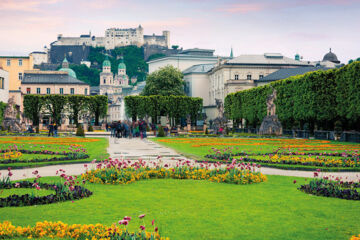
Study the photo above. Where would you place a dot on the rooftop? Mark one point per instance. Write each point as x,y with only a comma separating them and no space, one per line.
49,77
266,59
199,68
288,72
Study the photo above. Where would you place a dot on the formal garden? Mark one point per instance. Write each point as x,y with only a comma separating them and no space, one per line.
223,194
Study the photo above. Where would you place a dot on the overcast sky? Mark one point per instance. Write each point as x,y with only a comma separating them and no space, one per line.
307,27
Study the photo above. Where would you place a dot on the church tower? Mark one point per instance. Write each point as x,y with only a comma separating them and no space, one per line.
122,77
106,77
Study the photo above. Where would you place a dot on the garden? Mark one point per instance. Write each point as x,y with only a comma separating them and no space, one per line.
22,152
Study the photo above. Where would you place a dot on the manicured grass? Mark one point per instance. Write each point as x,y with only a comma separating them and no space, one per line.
190,209
21,191
96,149
197,148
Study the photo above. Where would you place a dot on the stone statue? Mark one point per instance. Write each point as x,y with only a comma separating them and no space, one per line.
270,103
10,121
220,107
271,124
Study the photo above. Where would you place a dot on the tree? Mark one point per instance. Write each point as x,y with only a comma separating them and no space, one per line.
76,104
166,81
2,109
55,104
89,75
175,47
32,107
98,106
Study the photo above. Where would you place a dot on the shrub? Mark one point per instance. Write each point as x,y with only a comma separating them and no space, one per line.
161,132
90,128
80,131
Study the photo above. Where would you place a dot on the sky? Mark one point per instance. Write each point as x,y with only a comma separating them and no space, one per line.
307,27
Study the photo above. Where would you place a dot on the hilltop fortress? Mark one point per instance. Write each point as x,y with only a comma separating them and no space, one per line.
116,37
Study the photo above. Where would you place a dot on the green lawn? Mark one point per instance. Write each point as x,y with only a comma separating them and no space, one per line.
197,148
188,209
96,149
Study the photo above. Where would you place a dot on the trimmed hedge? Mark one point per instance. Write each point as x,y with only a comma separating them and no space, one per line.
317,98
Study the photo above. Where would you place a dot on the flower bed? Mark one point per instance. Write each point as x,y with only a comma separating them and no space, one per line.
355,237
63,191
75,231
121,172
326,187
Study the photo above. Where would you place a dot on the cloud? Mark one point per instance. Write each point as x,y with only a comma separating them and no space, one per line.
25,5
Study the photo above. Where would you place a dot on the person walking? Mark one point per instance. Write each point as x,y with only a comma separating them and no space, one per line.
51,130
55,129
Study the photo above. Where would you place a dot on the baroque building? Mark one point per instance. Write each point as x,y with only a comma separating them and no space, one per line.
116,37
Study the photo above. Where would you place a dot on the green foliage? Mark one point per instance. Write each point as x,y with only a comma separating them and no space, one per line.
80,131
133,58
2,109
316,98
55,104
166,81
90,76
98,106
161,132
32,107
90,128
76,104
155,56
154,106
206,131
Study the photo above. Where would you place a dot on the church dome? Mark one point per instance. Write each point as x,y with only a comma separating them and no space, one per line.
331,57
69,71
122,64
65,68
106,63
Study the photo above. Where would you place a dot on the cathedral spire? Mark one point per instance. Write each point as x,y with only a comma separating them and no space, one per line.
231,53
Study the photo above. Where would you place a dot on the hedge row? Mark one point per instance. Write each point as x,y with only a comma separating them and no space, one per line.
171,106
55,105
319,98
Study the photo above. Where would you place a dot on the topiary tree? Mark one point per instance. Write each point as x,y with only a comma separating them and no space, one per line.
97,106
55,104
161,132
76,104
80,131
32,107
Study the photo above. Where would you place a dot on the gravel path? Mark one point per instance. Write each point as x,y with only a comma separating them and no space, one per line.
135,149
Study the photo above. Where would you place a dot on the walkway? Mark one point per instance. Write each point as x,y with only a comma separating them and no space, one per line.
135,149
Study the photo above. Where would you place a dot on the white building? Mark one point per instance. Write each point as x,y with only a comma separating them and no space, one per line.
184,59
117,37
242,72
40,57
4,86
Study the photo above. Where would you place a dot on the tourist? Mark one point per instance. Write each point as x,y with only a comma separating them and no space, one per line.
113,129
55,129
166,130
51,130
107,126
119,129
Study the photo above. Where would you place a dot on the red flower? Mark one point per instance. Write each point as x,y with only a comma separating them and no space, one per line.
294,181
316,174
142,227
152,222
156,229
142,216
127,218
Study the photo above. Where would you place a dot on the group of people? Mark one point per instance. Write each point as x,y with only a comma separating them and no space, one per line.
125,129
53,128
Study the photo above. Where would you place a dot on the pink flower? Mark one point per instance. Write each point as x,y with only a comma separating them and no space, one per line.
142,216
10,174
123,222
37,187
316,174
127,218
35,172
294,181
142,227
152,222
17,184
85,165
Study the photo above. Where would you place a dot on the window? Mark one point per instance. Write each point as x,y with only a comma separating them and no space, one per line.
20,62
248,77
72,91
38,90
20,76
48,91
104,81
28,90
2,83
8,62
86,91
261,76
61,91
236,76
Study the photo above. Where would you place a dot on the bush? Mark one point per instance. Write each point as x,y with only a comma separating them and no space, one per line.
161,132
80,131
90,128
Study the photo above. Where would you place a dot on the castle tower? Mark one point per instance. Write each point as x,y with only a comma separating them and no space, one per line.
166,34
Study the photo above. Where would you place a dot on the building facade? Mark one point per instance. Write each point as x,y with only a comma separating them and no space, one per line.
185,59
4,86
116,37
15,66
243,72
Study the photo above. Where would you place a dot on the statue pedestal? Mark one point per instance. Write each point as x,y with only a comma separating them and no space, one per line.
271,126
12,124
